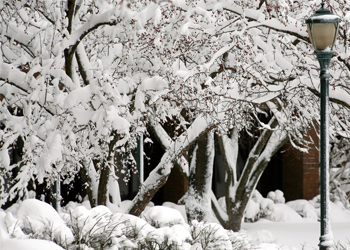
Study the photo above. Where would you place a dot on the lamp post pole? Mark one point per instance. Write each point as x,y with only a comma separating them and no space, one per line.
323,29
326,239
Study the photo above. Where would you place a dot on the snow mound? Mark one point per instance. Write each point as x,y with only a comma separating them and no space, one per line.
181,232
40,218
180,208
36,209
273,246
28,244
264,236
339,213
159,216
95,222
304,208
3,228
284,213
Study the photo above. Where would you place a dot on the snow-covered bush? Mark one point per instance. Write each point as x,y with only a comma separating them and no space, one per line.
38,220
252,211
159,216
240,241
78,227
341,246
209,236
258,207
276,196
92,229
274,208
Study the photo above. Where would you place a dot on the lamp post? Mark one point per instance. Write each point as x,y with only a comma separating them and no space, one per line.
323,28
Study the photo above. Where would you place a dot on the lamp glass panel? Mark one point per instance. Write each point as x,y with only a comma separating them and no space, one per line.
323,34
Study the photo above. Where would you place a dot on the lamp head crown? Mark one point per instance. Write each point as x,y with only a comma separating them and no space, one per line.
323,28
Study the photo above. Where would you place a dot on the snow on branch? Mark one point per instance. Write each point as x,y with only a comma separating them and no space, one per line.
13,76
14,33
340,96
336,95
63,77
18,79
84,65
109,17
257,18
166,141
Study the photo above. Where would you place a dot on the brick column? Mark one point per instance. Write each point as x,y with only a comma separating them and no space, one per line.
301,171
311,169
292,173
175,187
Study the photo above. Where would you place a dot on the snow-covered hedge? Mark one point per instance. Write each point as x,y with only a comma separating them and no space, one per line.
37,225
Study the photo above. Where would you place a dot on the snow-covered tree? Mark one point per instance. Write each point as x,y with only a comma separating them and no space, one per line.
80,80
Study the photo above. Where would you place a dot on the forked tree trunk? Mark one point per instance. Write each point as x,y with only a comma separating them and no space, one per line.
269,142
238,192
158,177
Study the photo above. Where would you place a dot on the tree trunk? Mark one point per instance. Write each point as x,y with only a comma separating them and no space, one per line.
229,150
102,185
201,172
102,192
68,55
86,183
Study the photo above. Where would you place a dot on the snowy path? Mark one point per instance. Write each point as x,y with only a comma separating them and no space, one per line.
295,235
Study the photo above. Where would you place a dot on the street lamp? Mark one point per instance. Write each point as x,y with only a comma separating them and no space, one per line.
323,29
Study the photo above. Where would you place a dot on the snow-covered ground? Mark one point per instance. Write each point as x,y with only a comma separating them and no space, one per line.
288,226
295,225
296,236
